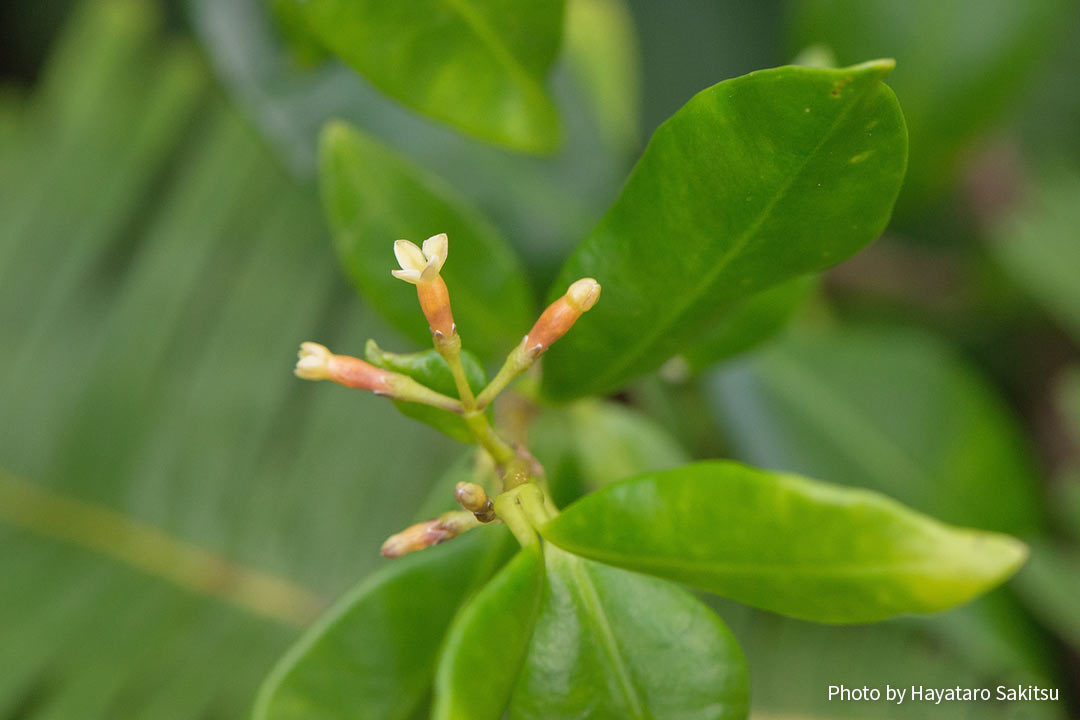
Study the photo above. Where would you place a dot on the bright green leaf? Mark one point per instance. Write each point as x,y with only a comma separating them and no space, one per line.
750,322
753,182
589,444
487,642
374,196
613,645
959,66
372,655
893,410
428,368
478,65
785,543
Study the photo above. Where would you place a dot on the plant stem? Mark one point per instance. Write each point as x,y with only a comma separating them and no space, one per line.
450,350
510,511
517,362
486,437
407,389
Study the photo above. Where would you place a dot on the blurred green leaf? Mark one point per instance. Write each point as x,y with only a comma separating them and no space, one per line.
374,196
1036,245
960,65
1050,586
591,443
544,204
486,645
600,49
372,655
158,270
750,322
610,645
756,180
894,410
479,65
428,368
785,543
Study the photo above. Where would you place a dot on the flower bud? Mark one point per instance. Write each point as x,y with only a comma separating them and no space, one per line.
428,533
421,267
474,498
561,315
318,363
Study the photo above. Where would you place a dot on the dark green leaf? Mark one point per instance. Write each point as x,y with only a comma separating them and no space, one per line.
785,543
753,182
429,368
613,645
1050,586
479,65
750,322
959,65
589,444
893,410
487,642
374,196
372,655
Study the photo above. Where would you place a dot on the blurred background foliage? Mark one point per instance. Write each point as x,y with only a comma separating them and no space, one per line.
174,506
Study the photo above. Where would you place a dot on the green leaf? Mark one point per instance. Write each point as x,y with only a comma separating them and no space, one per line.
428,368
613,645
785,543
1049,585
589,444
952,89
1036,245
890,409
478,65
373,196
750,322
373,653
753,182
486,645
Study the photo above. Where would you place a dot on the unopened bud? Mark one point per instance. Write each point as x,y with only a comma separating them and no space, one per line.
421,267
561,315
474,498
318,363
428,533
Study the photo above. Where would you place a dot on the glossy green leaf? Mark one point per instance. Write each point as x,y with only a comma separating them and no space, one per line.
372,655
753,182
614,645
478,65
486,645
960,64
893,410
785,543
374,196
1036,245
428,368
590,443
750,323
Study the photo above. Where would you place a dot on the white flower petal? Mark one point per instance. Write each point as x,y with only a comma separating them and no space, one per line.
409,256
409,276
436,248
430,272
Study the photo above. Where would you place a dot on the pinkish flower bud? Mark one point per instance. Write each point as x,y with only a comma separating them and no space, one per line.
318,363
561,315
428,533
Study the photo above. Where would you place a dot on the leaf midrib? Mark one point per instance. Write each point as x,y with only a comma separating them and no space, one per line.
487,35
680,307
595,609
839,570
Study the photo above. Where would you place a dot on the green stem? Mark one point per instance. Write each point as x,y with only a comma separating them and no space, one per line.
517,362
486,437
450,349
409,390
510,511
